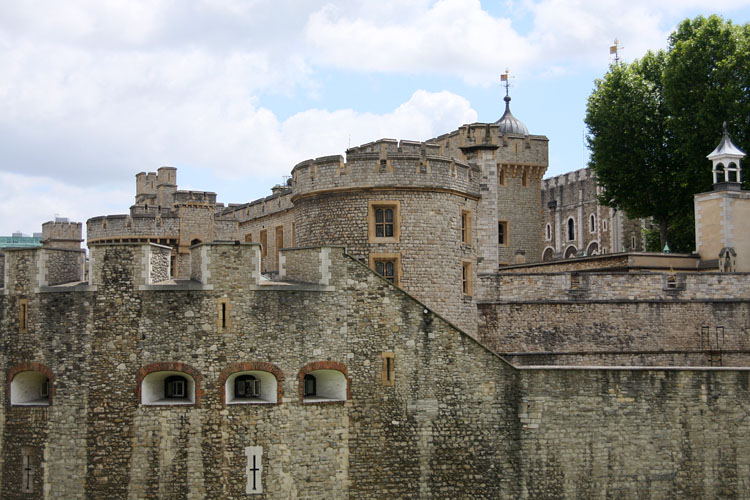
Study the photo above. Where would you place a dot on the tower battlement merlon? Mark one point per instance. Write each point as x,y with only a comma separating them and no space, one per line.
156,188
62,234
385,164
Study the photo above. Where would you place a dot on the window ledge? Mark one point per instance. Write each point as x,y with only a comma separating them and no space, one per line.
169,402
250,402
32,403
320,400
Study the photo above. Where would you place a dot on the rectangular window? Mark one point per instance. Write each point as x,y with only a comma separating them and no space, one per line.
388,376
249,238
263,243
23,315
466,227
384,222
388,265
279,243
225,307
466,278
500,176
387,269
525,179
502,233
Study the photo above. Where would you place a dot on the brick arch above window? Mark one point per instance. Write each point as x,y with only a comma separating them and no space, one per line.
323,365
31,366
171,366
260,366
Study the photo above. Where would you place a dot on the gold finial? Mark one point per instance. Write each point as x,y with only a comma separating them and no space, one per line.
615,49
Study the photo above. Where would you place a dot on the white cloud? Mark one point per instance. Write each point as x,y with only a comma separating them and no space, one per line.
315,132
29,201
454,37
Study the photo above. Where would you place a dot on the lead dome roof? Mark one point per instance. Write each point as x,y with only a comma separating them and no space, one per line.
509,124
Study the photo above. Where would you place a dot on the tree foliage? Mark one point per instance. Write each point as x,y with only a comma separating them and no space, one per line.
652,122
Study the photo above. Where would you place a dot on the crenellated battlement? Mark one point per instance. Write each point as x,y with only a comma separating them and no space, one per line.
62,233
146,266
386,164
583,174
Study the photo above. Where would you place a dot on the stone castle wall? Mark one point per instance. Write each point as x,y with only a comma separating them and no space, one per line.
615,313
473,425
574,196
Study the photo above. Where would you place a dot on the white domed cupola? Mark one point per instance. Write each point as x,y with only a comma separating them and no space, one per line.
726,159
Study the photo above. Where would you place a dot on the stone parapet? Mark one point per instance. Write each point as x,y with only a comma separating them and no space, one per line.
384,164
608,286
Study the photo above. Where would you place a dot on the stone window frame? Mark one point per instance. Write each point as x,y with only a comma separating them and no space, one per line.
250,367
321,366
387,257
604,224
176,368
570,229
592,223
28,462
632,242
524,178
23,315
395,205
249,238
548,232
30,367
388,373
465,227
224,314
467,278
505,233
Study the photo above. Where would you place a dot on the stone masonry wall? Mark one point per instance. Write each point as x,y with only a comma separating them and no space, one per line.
634,433
250,230
622,326
456,422
430,240
113,447
63,266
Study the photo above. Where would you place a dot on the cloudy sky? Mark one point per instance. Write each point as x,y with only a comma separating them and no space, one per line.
236,92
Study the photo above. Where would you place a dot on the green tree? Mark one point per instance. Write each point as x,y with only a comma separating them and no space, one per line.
651,123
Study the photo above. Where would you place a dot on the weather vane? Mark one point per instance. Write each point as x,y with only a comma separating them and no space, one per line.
505,77
615,49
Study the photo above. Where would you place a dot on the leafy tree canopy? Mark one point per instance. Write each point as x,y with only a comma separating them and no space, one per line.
652,122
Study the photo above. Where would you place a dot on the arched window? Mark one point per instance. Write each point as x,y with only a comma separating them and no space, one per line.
30,388
592,223
571,230
548,232
548,254
167,387
310,384
593,248
571,251
323,382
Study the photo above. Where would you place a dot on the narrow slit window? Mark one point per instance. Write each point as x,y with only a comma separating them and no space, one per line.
23,315
27,473
223,314
389,369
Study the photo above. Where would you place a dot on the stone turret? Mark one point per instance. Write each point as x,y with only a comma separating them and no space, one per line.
722,216
61,233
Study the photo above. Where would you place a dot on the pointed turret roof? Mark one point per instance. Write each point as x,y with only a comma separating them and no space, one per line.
726,147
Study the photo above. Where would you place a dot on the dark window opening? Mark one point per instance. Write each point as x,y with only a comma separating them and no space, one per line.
175,387
246,386
571,230
309,385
